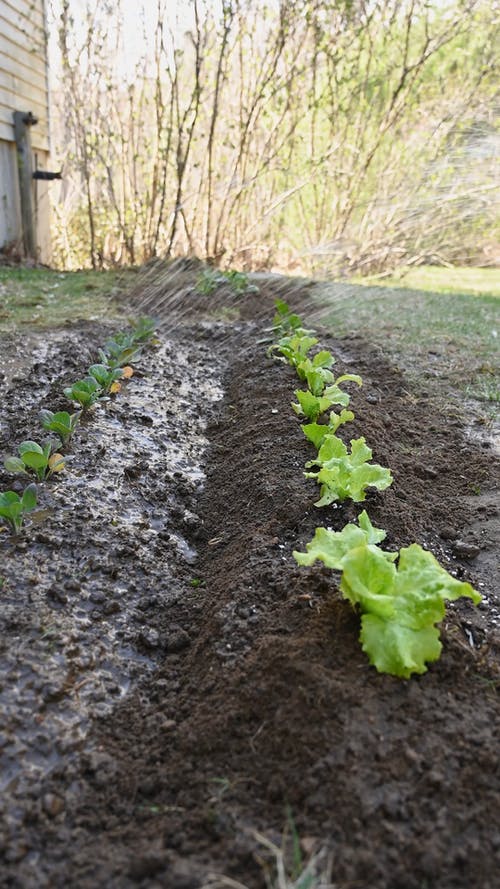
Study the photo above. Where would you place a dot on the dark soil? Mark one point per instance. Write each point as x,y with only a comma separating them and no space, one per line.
258,714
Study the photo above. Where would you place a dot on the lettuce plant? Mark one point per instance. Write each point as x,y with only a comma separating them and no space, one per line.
316,371
344,475
285,321
37,458
61,423
85,392
331,547
400,604
293,347
13,507
312,406
317,432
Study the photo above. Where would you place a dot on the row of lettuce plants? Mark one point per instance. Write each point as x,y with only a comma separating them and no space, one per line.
400,595
102,381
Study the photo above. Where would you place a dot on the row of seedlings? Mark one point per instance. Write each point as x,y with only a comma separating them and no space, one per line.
400,595
102,380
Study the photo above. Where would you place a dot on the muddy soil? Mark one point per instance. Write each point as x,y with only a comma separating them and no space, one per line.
175,689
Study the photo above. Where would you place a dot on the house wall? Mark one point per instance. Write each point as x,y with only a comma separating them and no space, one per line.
23,87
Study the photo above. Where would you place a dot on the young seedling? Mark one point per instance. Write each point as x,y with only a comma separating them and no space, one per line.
210,279
119,350
61,423
344,475
85,392
293,348
143,328
37,458
400,604
13,507
285,321
239,283
317,432
106,377
316,371
312,406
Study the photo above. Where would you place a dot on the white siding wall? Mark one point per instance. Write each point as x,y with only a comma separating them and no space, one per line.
23,87
23,68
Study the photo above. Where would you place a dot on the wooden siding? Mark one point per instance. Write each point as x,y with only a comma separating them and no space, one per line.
23,68
10,210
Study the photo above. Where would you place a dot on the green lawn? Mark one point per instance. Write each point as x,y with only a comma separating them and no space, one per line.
449,341
474,281
43,298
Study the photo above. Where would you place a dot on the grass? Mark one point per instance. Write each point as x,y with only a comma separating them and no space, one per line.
447,341
43,298
316,874
473,281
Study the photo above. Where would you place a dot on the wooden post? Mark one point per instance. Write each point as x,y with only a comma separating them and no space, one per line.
22,122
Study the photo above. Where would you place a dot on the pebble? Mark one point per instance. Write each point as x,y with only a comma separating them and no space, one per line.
466,550
52,804
448,533
146,866
177,641
58,595
149,637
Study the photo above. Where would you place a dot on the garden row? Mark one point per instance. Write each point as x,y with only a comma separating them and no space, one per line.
400,595
101,382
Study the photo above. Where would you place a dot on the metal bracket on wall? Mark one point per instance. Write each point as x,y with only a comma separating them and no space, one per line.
47,175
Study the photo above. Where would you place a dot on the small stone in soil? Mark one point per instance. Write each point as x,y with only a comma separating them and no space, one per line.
52,805
177,641
466,550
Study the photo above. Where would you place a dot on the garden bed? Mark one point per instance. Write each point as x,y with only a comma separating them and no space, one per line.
176,691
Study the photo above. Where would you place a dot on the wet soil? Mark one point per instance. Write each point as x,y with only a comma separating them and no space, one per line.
175,688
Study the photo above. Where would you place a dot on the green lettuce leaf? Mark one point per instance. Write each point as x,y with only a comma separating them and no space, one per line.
343,475
316,377
396,649
331,547
313,405
400,606
316,432
294,347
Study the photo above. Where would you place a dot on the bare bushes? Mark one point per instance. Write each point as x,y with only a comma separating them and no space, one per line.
327,137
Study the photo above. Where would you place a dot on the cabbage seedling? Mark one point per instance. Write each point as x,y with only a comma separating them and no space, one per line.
238,281
61,423
119,350
13,507
105,376
343,475
37,458
143,328
85,392
210,279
